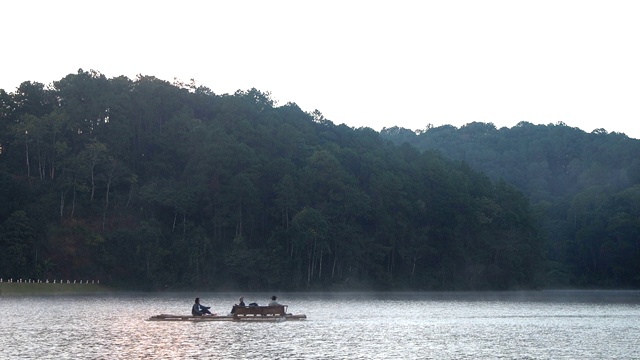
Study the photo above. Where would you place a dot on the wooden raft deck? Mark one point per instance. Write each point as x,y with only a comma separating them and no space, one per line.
169,317
239,313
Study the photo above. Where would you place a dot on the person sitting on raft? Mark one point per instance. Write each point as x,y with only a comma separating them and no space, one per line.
199,310
233,309
273,301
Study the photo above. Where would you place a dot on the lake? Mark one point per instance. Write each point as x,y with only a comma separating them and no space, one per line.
467,325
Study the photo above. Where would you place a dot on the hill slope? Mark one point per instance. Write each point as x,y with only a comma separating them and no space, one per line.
585,189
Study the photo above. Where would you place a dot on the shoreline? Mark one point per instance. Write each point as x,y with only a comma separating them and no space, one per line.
21,289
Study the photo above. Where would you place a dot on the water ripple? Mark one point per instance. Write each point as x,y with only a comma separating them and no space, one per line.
420,326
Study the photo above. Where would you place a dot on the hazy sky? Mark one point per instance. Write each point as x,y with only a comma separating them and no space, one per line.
362,63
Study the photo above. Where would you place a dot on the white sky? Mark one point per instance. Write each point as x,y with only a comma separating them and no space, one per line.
362,63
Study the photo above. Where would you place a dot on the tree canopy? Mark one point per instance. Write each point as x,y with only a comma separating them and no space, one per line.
145,183
583,188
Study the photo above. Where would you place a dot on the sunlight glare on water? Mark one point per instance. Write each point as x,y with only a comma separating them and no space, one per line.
525,325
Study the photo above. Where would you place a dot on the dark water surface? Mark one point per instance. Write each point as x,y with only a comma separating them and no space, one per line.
509,325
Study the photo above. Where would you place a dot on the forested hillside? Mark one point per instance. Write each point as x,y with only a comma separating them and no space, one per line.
584,188
149,184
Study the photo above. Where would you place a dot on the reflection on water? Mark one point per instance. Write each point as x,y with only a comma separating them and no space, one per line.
522,325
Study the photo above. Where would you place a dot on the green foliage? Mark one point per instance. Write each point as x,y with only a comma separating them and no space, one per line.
583,188
17,247
148,184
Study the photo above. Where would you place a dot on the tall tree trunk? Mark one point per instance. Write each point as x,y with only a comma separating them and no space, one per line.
26,145
291,246
130,195
239,220
73,203
286,216
413,268
52,170
41,162
313,257
184,225
93,182
106,198
61,204
309,273
333,267
309,264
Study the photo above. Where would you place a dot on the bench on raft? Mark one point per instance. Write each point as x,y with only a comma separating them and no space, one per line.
274,310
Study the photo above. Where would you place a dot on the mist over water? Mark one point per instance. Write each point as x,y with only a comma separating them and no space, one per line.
467,325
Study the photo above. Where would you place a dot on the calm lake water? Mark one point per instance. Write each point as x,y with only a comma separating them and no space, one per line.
510,325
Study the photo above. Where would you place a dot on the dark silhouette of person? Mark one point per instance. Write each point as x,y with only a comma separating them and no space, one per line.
199,310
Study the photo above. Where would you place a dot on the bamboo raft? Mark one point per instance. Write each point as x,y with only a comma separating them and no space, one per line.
238,313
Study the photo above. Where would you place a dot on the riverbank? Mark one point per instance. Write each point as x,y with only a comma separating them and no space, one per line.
26,289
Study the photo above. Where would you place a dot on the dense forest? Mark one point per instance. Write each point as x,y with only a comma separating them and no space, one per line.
143,183
584,189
